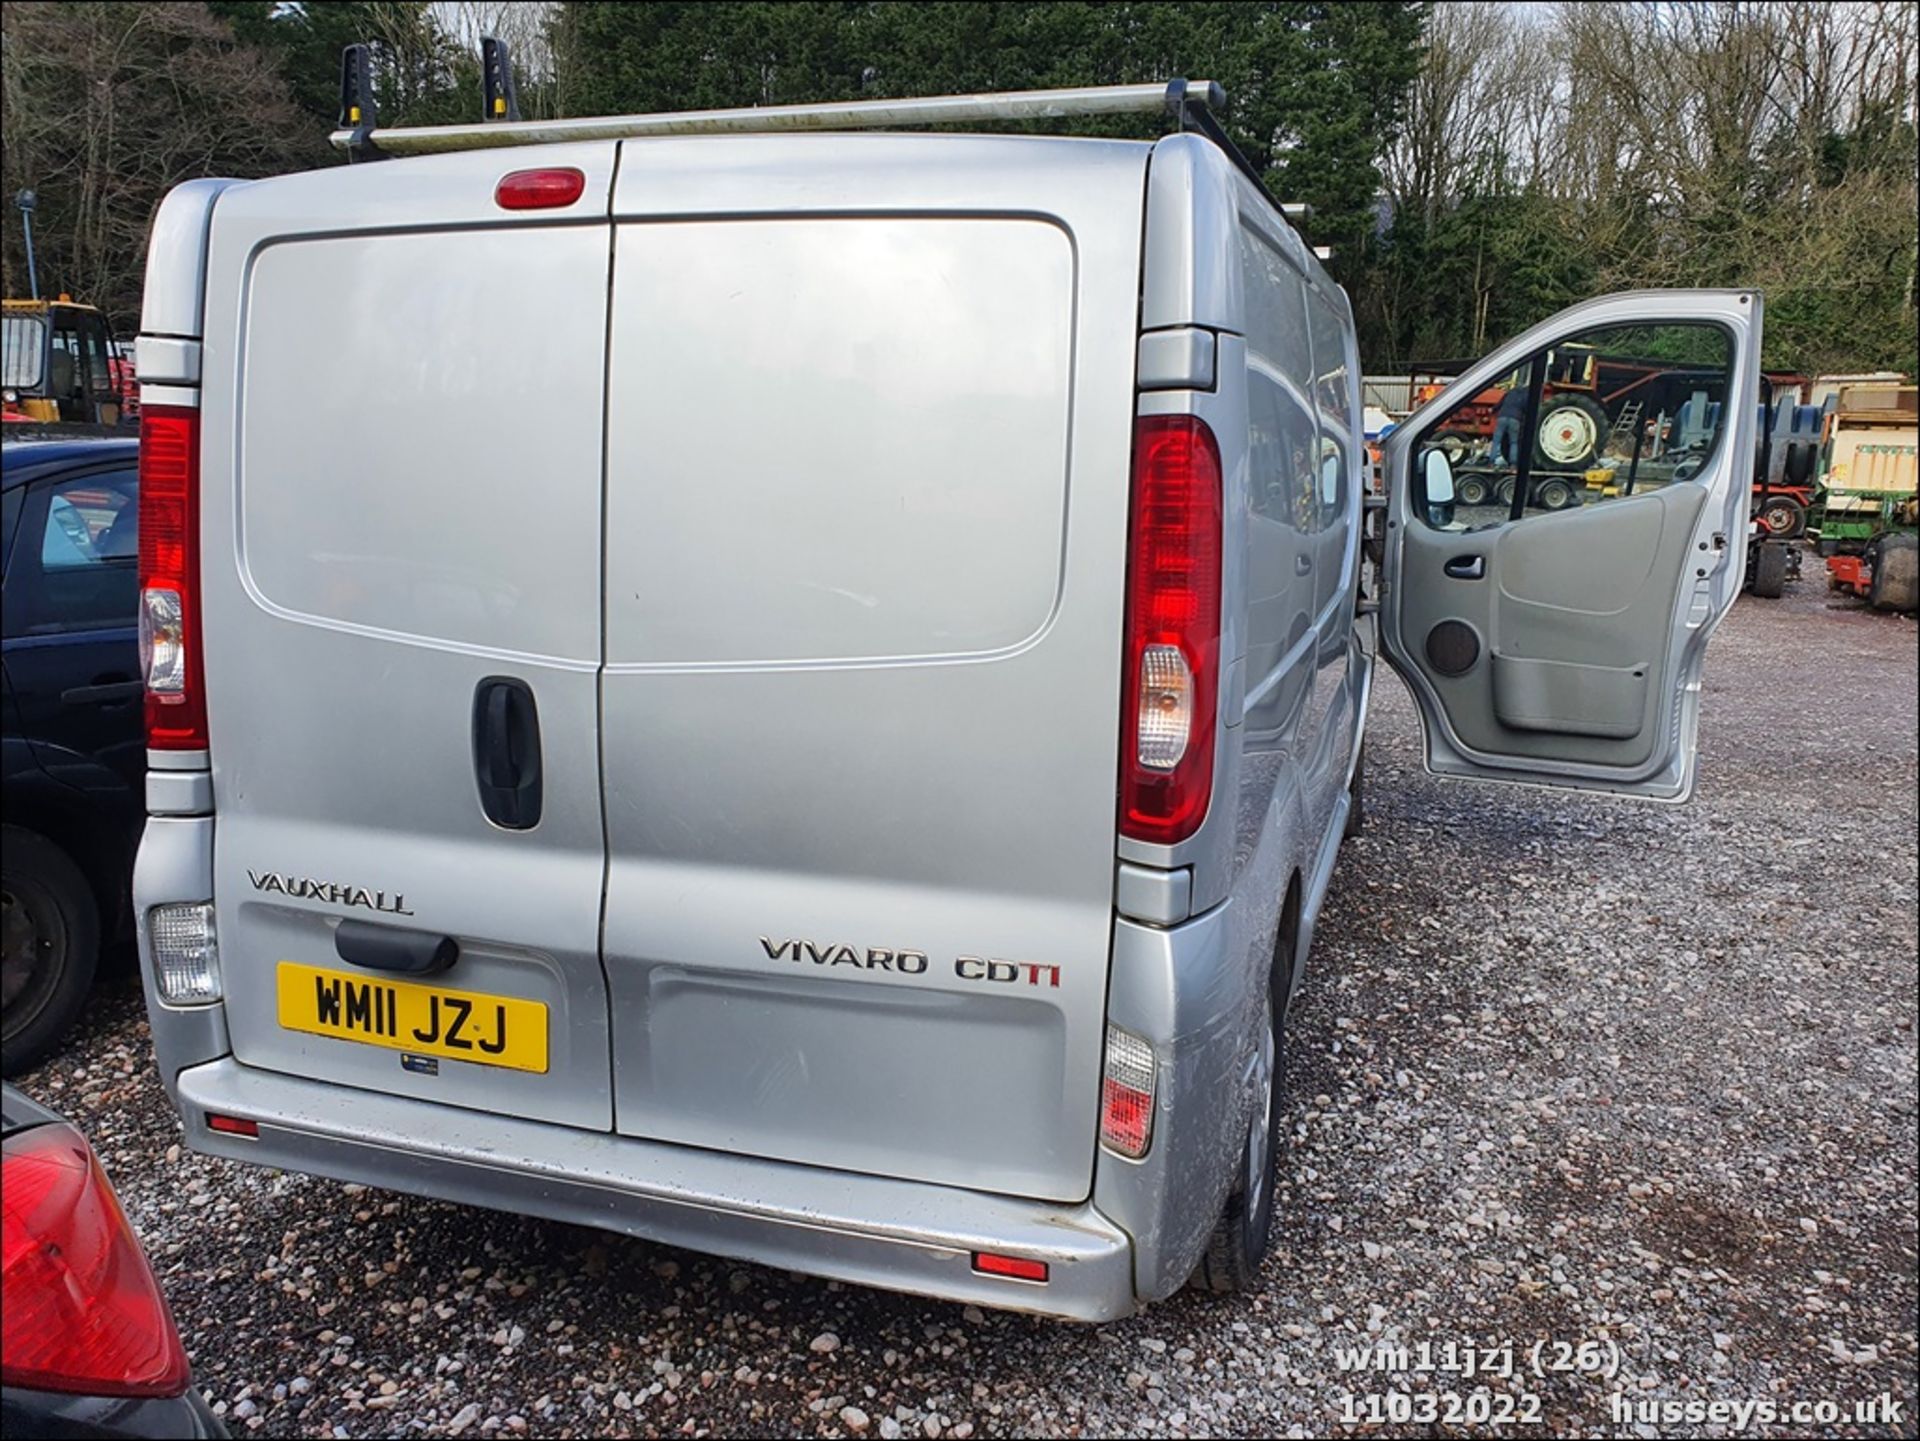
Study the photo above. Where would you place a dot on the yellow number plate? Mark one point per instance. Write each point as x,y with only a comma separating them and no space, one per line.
407,1016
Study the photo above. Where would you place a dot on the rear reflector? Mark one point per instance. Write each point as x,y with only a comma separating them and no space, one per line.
1126,1095
79,1308
1173,630
540,189
1017,1267
170,577
232,1125
186,953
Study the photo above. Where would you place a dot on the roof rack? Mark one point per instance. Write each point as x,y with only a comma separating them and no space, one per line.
759,119
1191,104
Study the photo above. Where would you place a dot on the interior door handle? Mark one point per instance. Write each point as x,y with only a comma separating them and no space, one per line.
1467,567
506,752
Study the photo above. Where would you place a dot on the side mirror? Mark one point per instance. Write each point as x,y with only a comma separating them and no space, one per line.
1436,474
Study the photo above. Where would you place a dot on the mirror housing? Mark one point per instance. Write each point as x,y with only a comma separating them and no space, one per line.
1436,483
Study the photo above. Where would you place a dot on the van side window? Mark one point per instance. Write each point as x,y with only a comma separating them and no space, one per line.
1279,387
1333,398
1615,412
1282,445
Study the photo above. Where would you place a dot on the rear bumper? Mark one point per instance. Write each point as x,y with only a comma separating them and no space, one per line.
898,1235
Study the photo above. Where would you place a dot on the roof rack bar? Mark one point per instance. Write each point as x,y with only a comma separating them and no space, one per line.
833,115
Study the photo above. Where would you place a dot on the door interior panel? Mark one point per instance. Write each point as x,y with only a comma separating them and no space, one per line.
1559,648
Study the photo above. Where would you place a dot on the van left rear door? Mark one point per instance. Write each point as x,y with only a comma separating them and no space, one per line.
401,539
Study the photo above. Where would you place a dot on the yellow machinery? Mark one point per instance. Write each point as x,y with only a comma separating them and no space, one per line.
58,363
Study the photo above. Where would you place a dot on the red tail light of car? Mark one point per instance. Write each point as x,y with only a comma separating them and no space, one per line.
79,1308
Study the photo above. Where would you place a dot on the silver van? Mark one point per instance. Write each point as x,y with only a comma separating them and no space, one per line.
797,694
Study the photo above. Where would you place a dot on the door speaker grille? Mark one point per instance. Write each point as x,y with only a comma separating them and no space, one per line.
1453,647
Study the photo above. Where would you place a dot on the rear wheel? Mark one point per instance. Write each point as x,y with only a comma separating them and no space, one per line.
1896,574
1239,1241
49,946
1769,570
1554,494
1783,517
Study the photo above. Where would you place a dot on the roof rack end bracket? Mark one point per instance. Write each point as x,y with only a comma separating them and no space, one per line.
358,112
496,78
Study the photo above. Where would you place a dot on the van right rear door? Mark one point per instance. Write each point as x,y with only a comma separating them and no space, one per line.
869,416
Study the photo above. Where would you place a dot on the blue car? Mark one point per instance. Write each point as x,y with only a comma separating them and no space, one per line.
74,745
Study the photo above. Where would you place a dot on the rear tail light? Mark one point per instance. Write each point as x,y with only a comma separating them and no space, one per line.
170,577
79,1309
1017,1268
1173,630
186,953
1126,1095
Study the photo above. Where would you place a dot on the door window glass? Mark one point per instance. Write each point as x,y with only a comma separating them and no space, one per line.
89,555
1605,414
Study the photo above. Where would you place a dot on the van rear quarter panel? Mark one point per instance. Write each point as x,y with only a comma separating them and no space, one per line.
869,428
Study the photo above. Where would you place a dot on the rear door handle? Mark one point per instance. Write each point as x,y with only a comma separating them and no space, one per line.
506,752
1467,567
393,948
104,693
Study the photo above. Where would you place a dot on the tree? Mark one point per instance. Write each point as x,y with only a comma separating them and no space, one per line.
420,74
108,106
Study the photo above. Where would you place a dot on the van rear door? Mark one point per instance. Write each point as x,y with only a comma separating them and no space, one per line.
870,406
401,524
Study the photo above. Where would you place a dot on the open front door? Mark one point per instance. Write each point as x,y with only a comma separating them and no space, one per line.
1567,523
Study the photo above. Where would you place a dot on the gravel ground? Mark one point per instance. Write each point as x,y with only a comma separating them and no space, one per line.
1566,1070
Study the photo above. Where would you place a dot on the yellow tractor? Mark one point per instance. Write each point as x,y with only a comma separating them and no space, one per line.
59,363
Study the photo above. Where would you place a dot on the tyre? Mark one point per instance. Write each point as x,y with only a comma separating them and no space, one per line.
1896,573
1553,494
1357,796
1505,491
1769,570
1457,445
1240,1235
1572,431
50,927
1473,490
1783,517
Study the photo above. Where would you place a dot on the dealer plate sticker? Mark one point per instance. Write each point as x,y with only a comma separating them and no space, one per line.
407,1016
